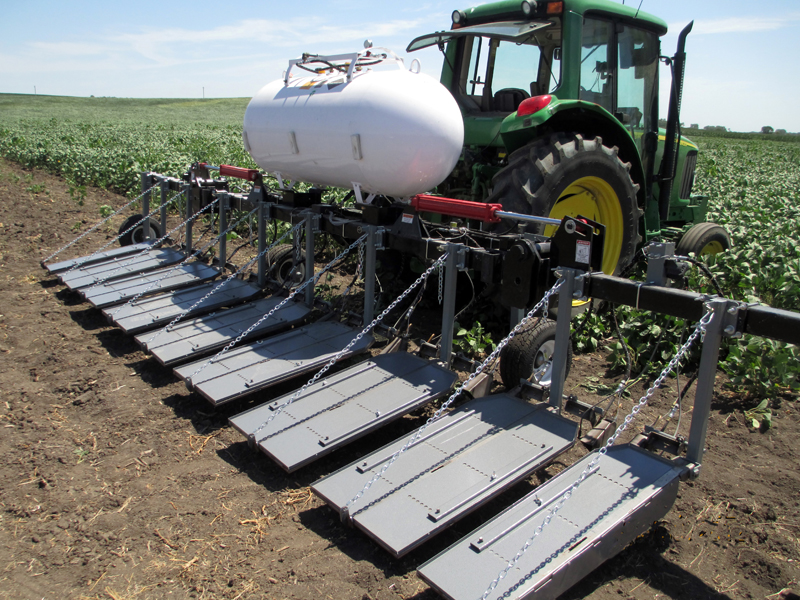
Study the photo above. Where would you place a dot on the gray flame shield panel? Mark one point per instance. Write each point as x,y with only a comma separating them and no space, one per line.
343,407
150,312
263,363
119,267
153,282
199,336
620,499
91,259
460,462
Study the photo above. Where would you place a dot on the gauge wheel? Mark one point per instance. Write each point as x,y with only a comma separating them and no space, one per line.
571,175
281,265
136,235
529,356
703,238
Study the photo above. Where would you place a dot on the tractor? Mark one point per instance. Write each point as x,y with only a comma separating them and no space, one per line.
560,106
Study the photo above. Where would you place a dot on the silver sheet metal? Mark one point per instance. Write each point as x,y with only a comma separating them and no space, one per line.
150,312
153,282
149,261
461,461
203,335
260,364
88,260
344,407
617,502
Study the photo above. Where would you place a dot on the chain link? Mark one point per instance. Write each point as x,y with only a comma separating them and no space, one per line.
128,230
489,359
352,343
94,227
297,249
296,291
221,285
591,467
194,254
360,266
158,241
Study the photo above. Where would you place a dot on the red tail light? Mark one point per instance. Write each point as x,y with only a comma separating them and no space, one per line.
532,105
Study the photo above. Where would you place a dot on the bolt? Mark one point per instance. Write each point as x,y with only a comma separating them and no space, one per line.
377,413
730,330
732,310
480,540
437,511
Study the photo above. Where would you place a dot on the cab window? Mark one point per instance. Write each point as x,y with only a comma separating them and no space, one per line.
496,75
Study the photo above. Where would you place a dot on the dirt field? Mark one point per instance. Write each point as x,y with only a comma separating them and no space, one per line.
119,483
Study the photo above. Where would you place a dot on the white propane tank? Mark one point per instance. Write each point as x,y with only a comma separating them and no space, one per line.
393,132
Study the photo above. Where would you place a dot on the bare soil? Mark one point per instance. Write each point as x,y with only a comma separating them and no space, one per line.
119,483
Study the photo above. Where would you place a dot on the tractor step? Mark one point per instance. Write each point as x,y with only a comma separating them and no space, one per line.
162,280
199,336
156,311
623,496
113,268
460,462
266,362
85,261
344,407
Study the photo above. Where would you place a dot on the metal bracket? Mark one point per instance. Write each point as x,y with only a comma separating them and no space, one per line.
734,320
579,288
379,238
461,258
657,254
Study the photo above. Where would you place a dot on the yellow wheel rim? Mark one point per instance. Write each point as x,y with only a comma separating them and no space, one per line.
595,199
712,248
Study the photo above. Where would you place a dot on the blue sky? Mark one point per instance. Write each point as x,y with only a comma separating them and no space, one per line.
743,69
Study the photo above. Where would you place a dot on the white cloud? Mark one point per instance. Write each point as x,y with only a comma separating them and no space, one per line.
739,24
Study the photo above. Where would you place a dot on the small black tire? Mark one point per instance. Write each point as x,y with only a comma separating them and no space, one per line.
281,265
529,354
567,174
703,238
136,235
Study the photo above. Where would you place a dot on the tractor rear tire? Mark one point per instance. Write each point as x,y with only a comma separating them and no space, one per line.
529,356
281,265
136,235
703,238
568,174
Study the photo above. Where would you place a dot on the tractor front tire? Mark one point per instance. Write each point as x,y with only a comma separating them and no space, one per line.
569,175
529,356
703,238
136,235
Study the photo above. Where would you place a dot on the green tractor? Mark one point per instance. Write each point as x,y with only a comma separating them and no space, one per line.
560,106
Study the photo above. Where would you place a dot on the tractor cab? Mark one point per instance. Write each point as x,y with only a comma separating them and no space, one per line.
526,73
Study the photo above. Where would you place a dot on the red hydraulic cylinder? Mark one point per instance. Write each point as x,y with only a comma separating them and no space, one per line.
479,211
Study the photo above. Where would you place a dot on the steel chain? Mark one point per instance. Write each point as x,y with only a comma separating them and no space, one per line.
158,241
294,292
352,343
591,467
94,227
128,230
174,321
489,359
441,283
194,254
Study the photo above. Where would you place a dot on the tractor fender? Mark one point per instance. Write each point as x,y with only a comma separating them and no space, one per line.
576,116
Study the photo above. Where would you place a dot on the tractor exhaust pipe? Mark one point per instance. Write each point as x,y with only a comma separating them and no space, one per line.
670,159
